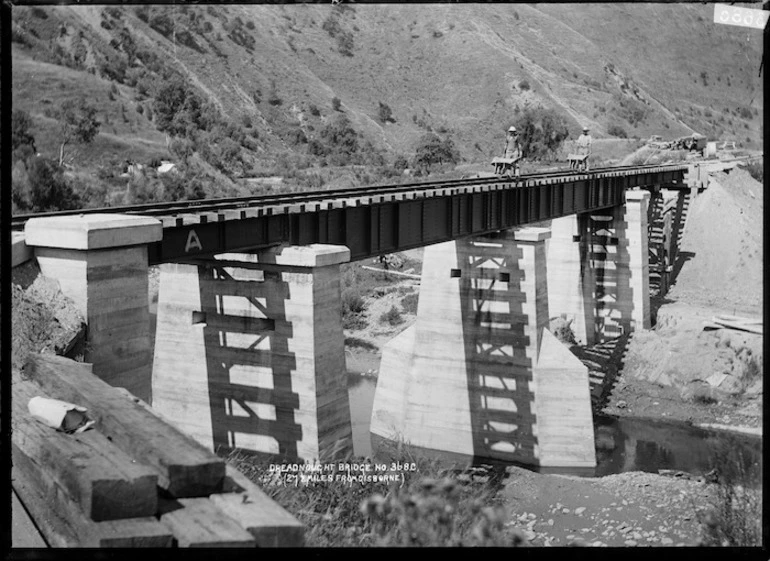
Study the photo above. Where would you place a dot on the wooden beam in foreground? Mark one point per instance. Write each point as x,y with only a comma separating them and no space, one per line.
101,478
184,467
63,524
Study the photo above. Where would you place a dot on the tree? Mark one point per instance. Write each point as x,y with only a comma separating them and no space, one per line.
541,132
49,189
78,124
433,150
177,108
338,137
22,141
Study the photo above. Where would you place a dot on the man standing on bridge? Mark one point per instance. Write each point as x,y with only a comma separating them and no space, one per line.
584,147
513,149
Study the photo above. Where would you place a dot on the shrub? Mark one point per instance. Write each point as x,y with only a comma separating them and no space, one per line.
617,131
20,130
336,104
17,36
352,301
400,163
392,317
355,342
345,43
143,13
409,303
524,85
703,398
384,113
353,308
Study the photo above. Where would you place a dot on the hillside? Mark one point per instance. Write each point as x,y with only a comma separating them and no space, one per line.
465,71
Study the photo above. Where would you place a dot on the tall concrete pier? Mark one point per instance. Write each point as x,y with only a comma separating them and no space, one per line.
598,270
479,374
249,352
100,261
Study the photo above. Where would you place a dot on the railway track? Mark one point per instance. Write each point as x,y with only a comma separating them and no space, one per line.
204,210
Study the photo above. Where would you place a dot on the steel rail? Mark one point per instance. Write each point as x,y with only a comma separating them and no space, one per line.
255,201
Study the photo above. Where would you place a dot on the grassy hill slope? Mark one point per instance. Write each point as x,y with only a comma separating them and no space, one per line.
463,70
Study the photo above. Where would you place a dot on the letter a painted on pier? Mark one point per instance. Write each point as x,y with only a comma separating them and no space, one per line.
193,242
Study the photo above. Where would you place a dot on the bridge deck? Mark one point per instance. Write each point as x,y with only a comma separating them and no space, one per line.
372,224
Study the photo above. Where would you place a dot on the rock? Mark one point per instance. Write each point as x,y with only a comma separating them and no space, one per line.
666,540
580,510
630,543
565,511
44,319
621,404
550,521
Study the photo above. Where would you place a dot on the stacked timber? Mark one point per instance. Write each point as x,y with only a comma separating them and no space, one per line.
133,479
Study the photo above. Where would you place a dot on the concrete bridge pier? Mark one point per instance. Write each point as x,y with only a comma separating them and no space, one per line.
598,270
479,374
100,262
249,352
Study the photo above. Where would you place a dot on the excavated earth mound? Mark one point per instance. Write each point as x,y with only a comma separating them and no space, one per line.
722,246
721,274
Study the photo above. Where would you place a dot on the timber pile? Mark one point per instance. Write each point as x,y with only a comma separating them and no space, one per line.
750,325
133,479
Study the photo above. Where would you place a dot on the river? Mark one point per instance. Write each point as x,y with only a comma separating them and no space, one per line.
622,444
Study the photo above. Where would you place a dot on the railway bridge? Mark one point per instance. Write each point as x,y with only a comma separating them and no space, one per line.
249,346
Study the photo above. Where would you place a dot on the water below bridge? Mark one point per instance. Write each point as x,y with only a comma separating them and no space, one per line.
622,444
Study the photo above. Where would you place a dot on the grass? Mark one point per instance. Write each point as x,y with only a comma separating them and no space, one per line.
409,303
358,283
735,516
430,506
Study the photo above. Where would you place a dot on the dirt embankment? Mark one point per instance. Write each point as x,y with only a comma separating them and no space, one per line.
678,370
44,320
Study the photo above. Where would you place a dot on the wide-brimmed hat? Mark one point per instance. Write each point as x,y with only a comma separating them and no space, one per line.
512,129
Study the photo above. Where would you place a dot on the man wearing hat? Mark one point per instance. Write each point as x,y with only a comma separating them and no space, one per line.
513,148
584,146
